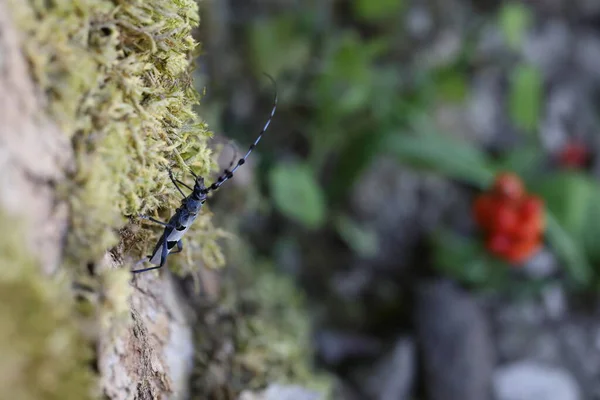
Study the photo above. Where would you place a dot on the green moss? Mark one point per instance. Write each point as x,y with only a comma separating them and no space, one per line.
114,310
263,315
44,356
116,77
274,341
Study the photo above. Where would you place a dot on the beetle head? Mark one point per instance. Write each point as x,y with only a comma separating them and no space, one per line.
200,190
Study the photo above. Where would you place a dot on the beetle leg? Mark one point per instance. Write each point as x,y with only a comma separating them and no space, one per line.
156,221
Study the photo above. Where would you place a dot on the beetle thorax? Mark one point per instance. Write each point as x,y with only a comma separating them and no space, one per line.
193,206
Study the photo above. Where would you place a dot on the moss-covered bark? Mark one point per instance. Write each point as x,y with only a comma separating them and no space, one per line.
44,354
99,95
116,78
100,102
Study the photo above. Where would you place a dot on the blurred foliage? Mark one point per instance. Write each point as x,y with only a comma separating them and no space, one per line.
525,97
274,332
297,194
262,321
574,199
442,153
362,87
468,261
287,33
569,196
377,10
514,20
361,239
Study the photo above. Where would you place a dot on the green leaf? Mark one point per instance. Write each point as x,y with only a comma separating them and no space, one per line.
297,194
278,45
444,154
451,84
525,161
591,235
573,218
569,251
355,155
371,10
514,20
525,97
570,197
346,82
467,261
363,241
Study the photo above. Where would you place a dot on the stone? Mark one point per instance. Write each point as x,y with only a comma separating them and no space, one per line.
456,343
555,301
335,347
543,264
527,380
282,392
392,378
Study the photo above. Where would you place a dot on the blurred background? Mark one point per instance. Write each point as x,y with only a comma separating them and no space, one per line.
381,188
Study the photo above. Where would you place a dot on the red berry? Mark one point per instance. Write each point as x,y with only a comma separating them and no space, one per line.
499,244
505,218
573,155
527,230
522,250
482,210
530,206
513,220
509,186
532,222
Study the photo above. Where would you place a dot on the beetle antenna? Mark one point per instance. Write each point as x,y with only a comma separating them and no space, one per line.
228,174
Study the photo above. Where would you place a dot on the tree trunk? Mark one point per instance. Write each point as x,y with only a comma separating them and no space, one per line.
150,356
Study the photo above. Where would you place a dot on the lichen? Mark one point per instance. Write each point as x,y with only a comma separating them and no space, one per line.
44,356
116,77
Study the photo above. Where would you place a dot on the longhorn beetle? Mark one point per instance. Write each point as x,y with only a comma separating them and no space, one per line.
191,205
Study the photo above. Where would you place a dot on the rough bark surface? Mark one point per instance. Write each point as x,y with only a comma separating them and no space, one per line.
152,358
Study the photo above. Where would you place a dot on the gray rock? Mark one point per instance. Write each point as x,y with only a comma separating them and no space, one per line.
456,345
490,43
401,205
585,8
587,54
578,338
527,380
542,265
484,110
419,22
335,347
282,392
589,7
289,392
549,47
519,332
555,301
568,114
392,378
443,50
349,285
